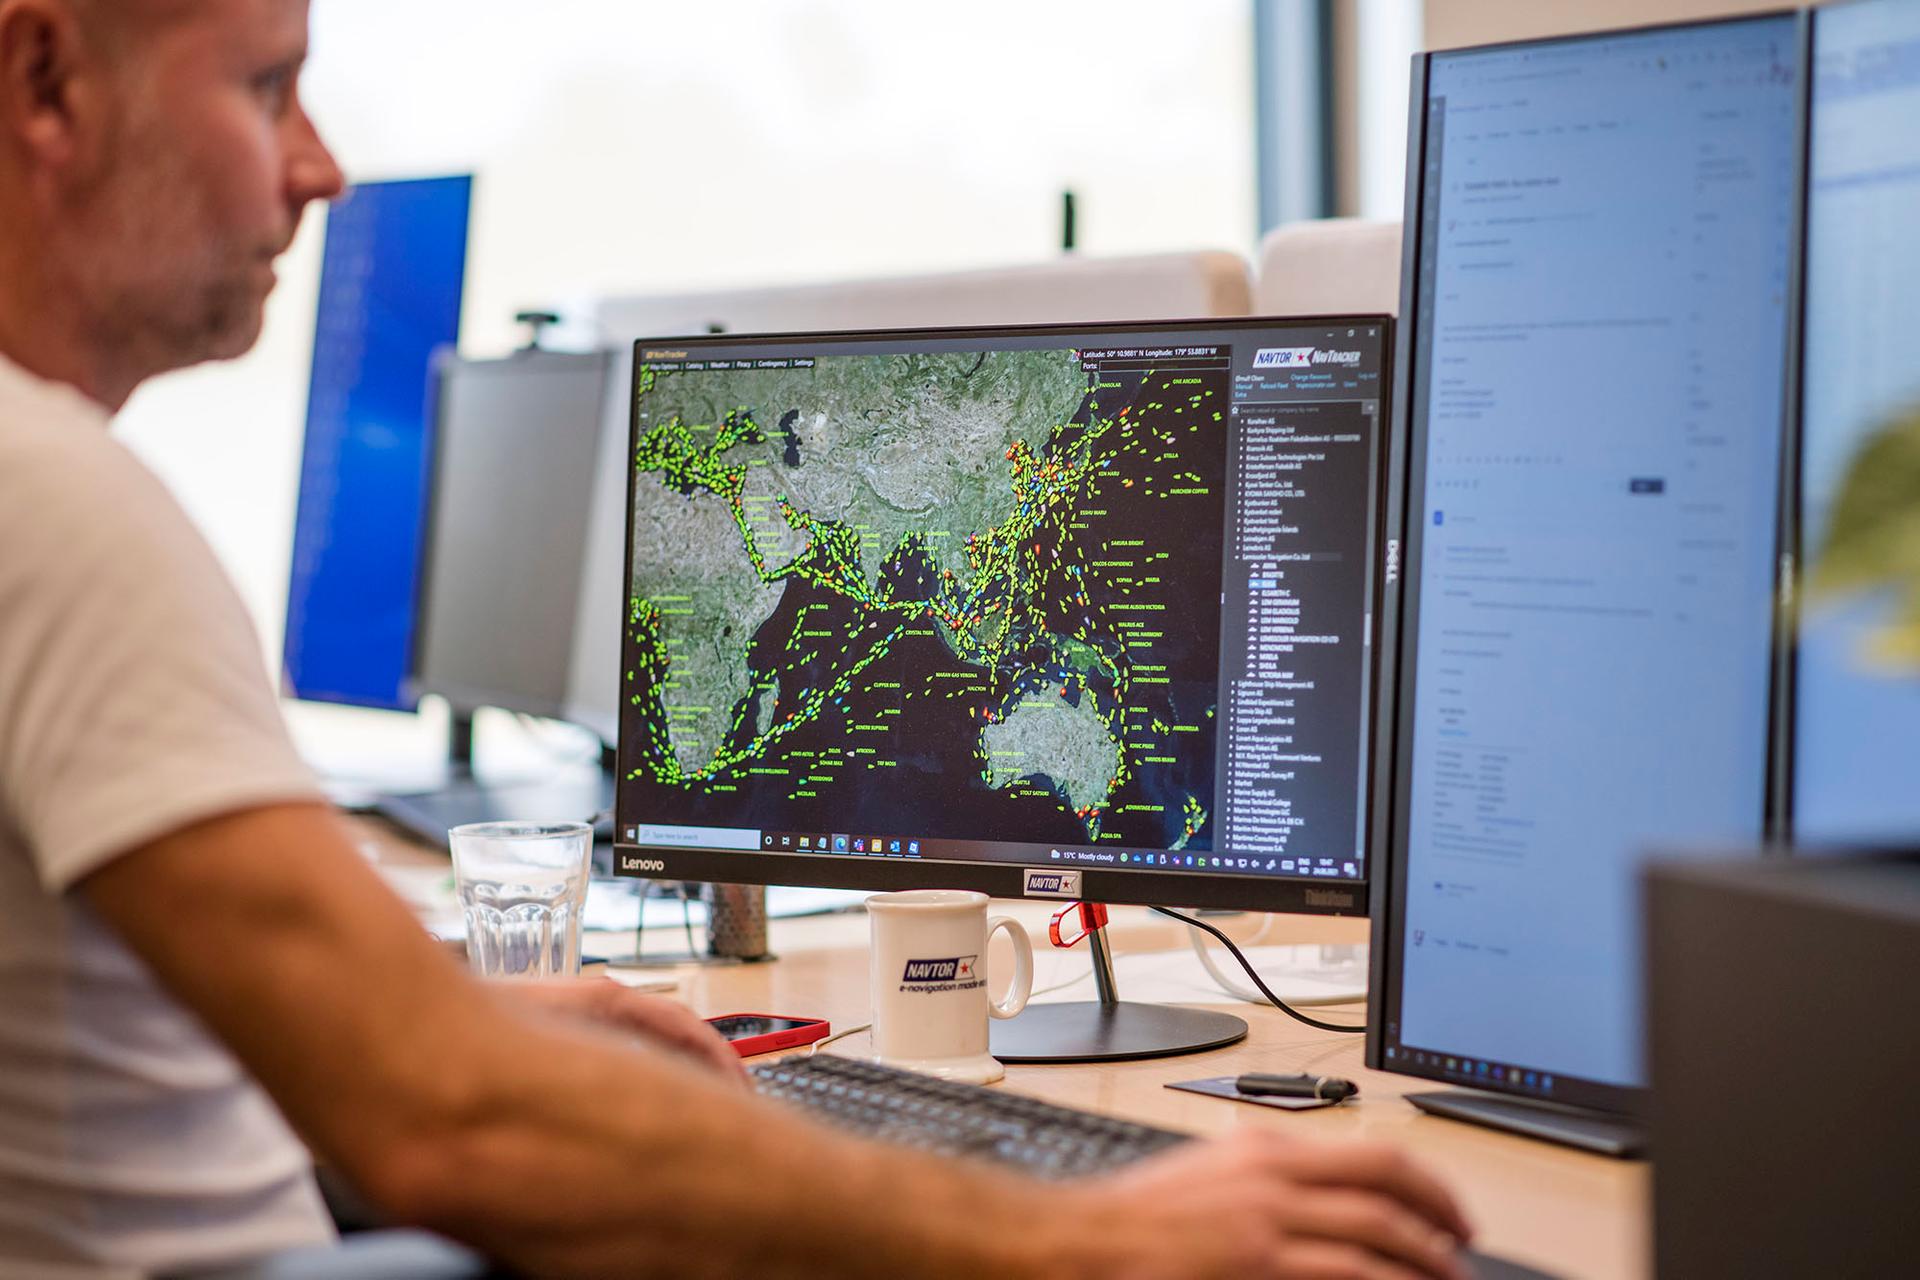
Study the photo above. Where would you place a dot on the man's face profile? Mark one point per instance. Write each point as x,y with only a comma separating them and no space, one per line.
199,166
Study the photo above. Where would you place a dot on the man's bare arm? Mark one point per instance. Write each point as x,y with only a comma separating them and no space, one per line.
567,1150
552,1145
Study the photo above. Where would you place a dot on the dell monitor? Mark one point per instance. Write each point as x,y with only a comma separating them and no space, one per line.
1080,612
1594,339
390,290
1856,727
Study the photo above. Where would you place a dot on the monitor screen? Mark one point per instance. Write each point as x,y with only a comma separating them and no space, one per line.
1091,604
390,288
1599,294
1857,681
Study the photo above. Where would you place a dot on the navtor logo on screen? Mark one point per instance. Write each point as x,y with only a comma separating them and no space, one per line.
1283,358
1301,357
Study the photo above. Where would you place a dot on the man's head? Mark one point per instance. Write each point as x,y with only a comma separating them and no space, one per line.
154,160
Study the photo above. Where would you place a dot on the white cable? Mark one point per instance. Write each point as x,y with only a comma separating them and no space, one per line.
1248,994
818,1045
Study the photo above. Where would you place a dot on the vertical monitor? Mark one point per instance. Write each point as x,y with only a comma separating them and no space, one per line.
1081,612
1600,244
390,289
1856,729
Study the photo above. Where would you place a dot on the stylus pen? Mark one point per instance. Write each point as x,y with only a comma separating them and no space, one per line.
1331,1088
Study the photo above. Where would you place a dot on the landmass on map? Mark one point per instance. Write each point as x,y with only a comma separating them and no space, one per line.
1062,741
883,544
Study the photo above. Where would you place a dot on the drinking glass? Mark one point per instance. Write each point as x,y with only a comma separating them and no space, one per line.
522,886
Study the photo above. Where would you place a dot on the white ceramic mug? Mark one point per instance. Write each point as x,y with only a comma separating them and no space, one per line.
930,1002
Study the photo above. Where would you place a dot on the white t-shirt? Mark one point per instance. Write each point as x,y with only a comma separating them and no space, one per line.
133,702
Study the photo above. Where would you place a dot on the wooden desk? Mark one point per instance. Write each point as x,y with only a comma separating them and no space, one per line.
1573,1214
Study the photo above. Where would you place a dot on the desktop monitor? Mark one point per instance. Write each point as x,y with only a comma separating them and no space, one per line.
1085,612
1856,727
1593,347
516,446
390,290
517,441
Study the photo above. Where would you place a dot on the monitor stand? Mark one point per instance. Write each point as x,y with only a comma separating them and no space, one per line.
1597,1131
1110,1030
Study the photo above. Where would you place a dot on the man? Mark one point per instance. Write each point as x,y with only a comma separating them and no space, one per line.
186,932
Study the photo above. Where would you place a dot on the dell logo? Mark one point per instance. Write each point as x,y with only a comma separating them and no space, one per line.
1393,561
629,863
1329,898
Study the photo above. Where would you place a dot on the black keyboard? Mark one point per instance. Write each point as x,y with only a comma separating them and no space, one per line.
914,1110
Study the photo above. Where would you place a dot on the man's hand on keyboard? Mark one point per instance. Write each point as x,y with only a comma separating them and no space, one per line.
664,1022
1257,1205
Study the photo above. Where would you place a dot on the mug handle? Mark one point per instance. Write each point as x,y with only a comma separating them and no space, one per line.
1022,985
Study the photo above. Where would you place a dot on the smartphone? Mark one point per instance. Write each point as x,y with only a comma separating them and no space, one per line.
753,1033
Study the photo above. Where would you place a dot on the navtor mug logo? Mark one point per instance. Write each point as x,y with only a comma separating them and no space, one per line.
952,969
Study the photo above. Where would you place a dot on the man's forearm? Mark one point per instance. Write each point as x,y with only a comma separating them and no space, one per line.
647,1167
565,1149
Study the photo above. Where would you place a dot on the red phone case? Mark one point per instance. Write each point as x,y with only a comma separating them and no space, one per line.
815,1029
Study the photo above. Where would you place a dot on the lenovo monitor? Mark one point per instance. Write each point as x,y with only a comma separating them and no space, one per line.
1083,612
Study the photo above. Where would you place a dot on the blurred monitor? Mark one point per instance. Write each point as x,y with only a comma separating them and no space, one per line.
517,441
390,290
1856,729
1600,239
516,444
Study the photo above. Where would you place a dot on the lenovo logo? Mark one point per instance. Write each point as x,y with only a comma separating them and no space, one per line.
632,865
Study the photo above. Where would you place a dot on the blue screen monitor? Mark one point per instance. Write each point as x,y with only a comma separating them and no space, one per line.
1857,675
390,289
1601,237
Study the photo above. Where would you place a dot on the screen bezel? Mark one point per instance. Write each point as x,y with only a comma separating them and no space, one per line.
1389,872
1008,880
1793,532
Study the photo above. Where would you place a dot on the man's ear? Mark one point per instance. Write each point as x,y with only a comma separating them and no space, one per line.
41,48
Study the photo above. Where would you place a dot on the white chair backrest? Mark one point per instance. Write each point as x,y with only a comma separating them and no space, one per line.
1069,290
1330,267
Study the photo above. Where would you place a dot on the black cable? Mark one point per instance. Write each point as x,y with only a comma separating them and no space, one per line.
686,918
1246,964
